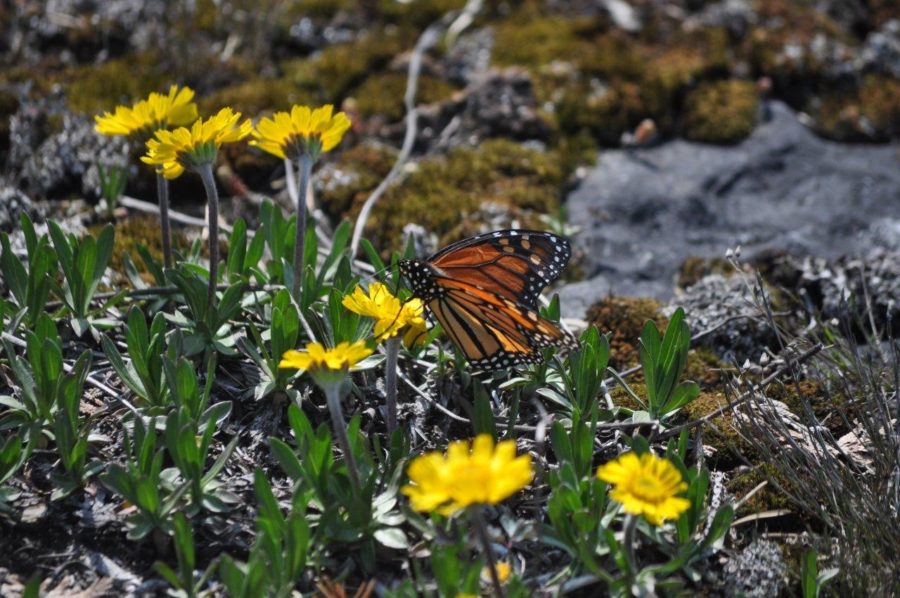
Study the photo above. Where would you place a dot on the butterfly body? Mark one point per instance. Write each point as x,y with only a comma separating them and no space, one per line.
484,292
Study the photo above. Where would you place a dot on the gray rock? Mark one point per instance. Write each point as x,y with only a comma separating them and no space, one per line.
66,160
881,51
12,203
498,103
758,571
643,211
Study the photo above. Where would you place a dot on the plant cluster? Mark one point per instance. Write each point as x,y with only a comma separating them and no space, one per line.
351,495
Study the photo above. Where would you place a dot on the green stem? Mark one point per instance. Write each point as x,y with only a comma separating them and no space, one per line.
392,347
305,169
481,530
162,195
333,398
628,541
290,180
212,195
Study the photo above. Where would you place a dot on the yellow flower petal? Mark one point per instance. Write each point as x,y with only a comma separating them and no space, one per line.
646,485
469,473
391,316
344,355
174,151
302,131
146,116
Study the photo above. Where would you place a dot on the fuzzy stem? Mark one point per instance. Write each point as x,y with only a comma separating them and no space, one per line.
628,541
392,347
290,180
305,169
481,530
206,174
162,194
333,398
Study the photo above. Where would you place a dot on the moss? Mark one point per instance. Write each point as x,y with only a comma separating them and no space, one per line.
607,113
871,113
535,43
612,56
705,368
382,94
100,87
720,433
622,398
134,231
9,104
255,97
624,318
824,404
357,171
694,268
522,181
766,499
317,9
419,13
721,112
331,74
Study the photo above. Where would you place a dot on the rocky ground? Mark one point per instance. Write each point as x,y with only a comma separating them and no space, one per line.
659,136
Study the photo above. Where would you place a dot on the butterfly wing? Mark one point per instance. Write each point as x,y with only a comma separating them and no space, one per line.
515,264
494,332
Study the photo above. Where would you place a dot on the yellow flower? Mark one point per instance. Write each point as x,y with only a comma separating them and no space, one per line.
302,131
503,571
469,474
391,316
646,485
316,356
158,111
182,148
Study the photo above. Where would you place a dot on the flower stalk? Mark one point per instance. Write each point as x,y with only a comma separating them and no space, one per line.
304,171
628,541
212,196
333,398
480,526
162,195
392,349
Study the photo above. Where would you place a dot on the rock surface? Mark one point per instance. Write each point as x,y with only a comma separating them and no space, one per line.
643,211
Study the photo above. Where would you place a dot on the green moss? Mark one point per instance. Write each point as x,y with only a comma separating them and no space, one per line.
100,87
357,171
134,231
523,181
879,100
419,13
768,498
694,268
536,43
255,97
382,94
622,398
612,56
606,113
330,75
624,318
9,104
705,368
318,9
720,433
870,113
721,112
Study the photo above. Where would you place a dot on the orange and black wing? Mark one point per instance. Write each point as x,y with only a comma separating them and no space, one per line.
494,332
515,264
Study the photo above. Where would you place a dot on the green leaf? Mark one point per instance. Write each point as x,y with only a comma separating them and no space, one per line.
392,537
810,572
286,458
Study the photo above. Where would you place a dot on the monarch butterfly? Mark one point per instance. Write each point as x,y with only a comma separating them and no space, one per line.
484,290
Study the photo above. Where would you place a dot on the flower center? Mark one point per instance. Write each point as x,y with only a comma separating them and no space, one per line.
647,487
